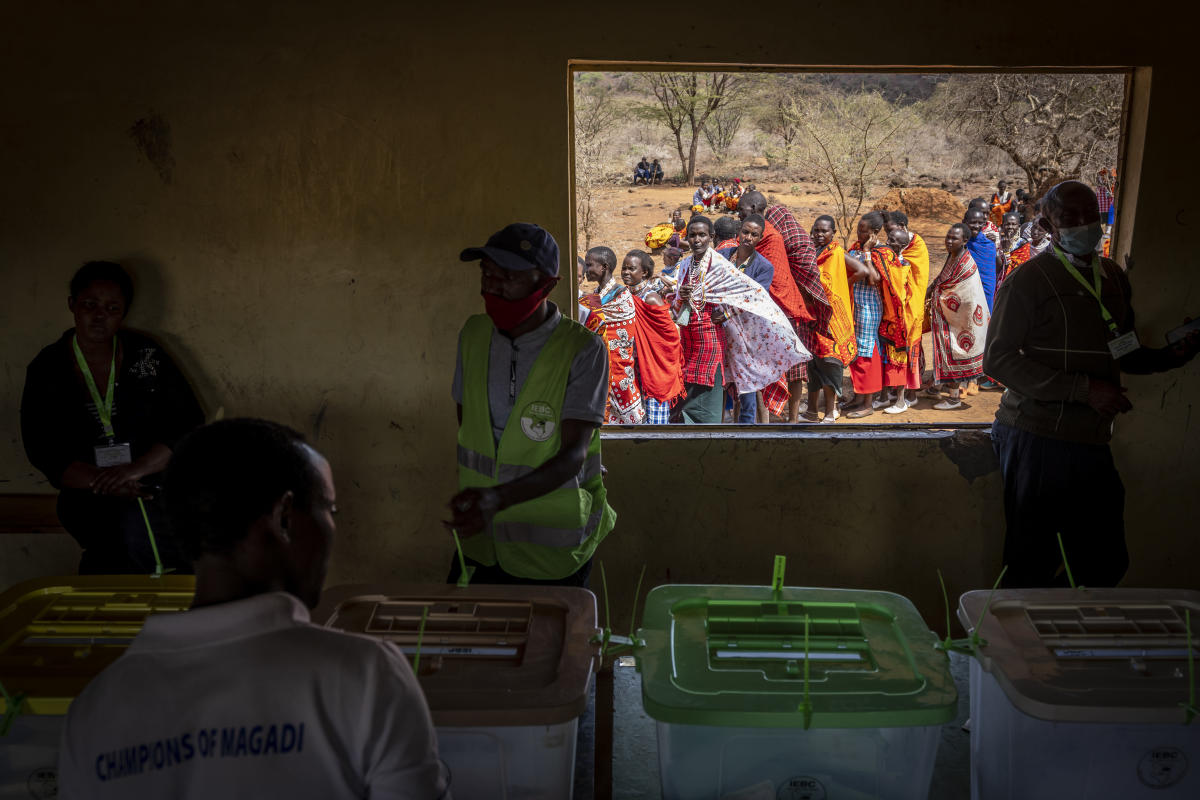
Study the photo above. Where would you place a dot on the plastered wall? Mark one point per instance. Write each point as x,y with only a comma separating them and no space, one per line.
291,184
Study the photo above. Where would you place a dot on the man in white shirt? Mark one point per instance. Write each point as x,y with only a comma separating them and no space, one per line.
242,696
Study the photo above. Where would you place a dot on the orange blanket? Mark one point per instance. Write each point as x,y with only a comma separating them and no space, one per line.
915,284
840,344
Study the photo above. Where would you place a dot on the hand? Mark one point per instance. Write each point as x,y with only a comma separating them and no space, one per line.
1187,347
1107,398
872,275
685,292
720,317
120,480
471,509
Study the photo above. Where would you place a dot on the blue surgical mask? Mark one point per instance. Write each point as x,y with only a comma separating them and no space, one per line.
1080,240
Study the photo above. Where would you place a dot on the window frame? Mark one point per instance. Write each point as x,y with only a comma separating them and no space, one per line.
1130,152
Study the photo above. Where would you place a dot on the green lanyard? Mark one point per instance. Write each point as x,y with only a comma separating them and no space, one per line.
1093,290
103,408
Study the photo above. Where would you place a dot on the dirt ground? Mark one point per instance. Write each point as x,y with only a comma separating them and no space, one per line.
626,213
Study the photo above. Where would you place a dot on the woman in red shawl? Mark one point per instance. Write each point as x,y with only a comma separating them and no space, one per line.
611,315
879,318
659,356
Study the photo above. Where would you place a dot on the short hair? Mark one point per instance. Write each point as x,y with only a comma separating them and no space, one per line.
1055,199
224,476
111,271
700,219
826,218
756,219
963,230
753,198
724,228
1011,215
971,211
898,217
874,220
644,259
977,201
604,255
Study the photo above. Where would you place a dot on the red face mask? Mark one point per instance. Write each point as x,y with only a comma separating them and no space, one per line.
508,314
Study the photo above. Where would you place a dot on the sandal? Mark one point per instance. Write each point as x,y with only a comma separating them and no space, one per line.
860,413
809,416
949,404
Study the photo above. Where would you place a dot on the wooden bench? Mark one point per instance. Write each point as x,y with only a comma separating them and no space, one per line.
29,513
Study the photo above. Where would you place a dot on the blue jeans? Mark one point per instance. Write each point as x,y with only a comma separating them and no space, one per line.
748,415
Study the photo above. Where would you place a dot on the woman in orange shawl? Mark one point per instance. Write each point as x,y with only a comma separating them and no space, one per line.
612,316
913,256
1002,203
1013,250
835,348
879,318
659,356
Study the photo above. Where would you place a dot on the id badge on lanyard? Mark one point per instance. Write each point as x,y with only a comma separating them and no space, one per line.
1121,344
115,453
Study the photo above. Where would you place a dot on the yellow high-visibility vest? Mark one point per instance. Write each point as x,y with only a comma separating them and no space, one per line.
549,537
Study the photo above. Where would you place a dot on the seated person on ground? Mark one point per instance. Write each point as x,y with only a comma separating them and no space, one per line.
656,172
642,171
101,410
242,695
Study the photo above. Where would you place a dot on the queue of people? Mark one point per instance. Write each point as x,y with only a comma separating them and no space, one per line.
859,313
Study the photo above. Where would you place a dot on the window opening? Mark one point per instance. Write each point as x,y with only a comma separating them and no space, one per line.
651,145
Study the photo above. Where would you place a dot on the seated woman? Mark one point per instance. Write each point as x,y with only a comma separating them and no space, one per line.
101,410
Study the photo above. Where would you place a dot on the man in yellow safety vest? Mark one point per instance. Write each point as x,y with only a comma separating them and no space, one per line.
531,387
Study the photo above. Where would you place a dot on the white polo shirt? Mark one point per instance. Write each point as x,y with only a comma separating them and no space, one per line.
250,699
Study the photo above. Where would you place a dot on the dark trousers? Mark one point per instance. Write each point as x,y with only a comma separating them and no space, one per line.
704,404
1053,487
494,574
112,533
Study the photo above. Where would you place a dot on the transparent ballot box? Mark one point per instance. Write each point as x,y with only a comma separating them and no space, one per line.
505,670
1082,693
56,634
792,693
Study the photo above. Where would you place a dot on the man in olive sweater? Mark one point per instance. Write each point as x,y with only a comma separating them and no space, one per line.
1060,336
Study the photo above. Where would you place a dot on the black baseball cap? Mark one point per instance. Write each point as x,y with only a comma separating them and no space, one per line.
519,246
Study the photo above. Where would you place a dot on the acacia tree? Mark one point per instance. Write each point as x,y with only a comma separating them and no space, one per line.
595,112
844,142
1068,125
722,126
773,111
684,102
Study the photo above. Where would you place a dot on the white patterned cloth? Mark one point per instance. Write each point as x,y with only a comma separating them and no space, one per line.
760,344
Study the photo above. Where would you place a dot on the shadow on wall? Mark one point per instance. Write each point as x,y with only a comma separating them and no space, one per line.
152,297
